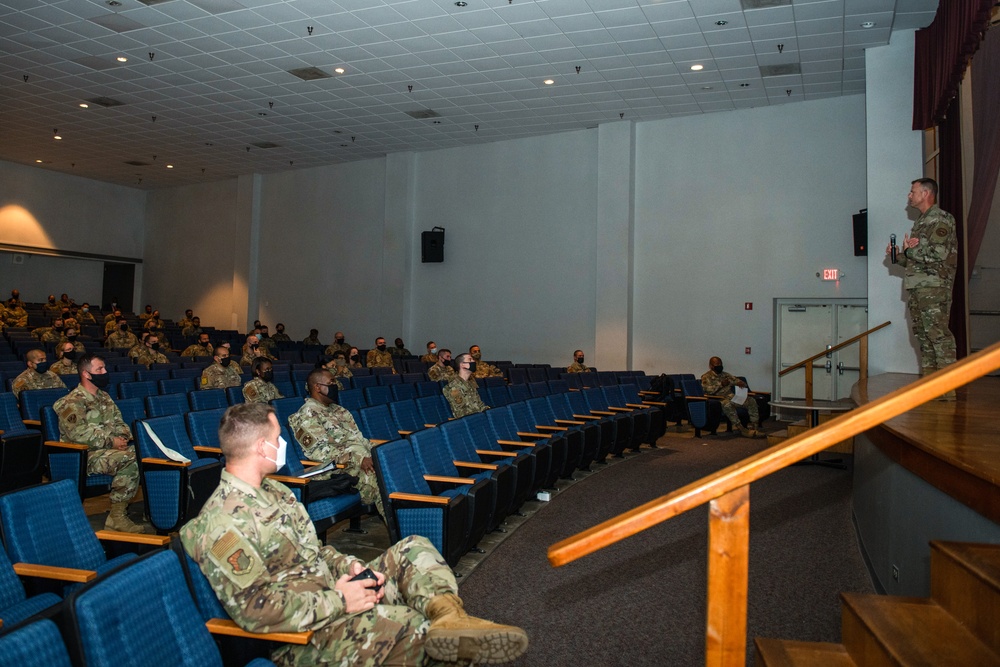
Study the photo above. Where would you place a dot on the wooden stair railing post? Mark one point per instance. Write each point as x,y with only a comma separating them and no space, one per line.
809,383
863,359
728,567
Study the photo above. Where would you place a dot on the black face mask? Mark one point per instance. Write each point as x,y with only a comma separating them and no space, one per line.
203,344
52,300
154,346
717,369
267,376
59,328
123,327
381,348
399,345
354,357
71,355
71,339
472,367
281,330
254,346
340,341
42,366
225,362
100,381
263,334
579,360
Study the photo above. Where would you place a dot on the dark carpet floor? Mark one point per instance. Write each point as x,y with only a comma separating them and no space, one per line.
642,601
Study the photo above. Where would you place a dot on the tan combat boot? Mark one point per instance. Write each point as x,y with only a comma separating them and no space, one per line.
118,520
744,431
455,636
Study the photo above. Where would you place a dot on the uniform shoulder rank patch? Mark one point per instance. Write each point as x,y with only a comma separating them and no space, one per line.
941,231
204,380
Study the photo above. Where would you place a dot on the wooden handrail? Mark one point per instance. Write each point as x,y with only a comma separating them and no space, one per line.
838,346
725,634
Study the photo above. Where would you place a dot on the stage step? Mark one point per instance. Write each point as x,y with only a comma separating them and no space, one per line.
787,653
965,580
801,426
889,631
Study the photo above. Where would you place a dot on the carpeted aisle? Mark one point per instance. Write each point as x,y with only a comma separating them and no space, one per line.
642,601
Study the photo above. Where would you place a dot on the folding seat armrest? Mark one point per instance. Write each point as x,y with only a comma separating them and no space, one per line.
648,393
429,425
308,464
405,433
496,453
698,398
476,465
638,406
531,434
603,413
618,409
202,449
376,441
419,498
288,479
718,398
445,479
165,463
542,427
32,423
515,443
72,446
228,628
657,404
133,538
571,422
587,417
69,574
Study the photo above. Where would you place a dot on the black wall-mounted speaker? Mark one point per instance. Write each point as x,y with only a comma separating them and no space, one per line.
861,233
432,246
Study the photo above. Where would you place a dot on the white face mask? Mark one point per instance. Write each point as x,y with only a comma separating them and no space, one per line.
282,447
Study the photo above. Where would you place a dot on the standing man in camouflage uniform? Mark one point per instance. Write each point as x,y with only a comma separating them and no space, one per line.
221,374
463,392
88,416
328,432
37,375
930,257
149,353
483,369
716,382
379,357
67,359
441,370
259,550
577,366
261,388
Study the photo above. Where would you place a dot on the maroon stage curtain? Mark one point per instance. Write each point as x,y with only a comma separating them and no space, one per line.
943,50
986,140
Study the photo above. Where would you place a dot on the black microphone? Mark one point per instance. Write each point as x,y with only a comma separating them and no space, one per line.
892,247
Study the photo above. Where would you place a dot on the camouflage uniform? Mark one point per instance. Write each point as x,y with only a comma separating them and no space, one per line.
259,391
268,345
329,433
32,379
121,340
260,552
94,421
52,309
399,352
145,317
280,337
440,372
344,347
340,372
60,368
311,340
377,358
429,358
86,317
930,275
485,370
147,356
48,334
191,330
576,367
218,376
77,345
197,350
463,396
724,385
15,317
249,356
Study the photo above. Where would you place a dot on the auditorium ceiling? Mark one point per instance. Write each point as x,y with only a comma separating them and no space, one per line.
156,93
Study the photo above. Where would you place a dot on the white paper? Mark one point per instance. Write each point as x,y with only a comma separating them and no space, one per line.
740,397
317,470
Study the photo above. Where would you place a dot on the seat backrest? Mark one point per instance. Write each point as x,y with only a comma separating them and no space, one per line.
166,404
36,644
359,381
615,396
207,399
378,395
377,423
558,386
414,376
32,400
458,440
132,409
542,411
389,378
493,381
403,391
234,395
149,598
607,378
537,389
286,407
203,426
178,385
434,409
536,375
10,416
185,373
560,406
428,388
691,387
595,398
352,399
432,454
572,380
140,389
155,374
588,379
518,392
406,415
46,524
516,375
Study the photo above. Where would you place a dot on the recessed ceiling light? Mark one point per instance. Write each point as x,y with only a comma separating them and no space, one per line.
461,4
38,161
170,166
548,82
744,85
113,3
720,22
122,59
261,113
706,87
697,68
339,70
84,105
868,24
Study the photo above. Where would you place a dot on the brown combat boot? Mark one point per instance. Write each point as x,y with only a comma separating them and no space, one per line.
455,636
118,520
744,431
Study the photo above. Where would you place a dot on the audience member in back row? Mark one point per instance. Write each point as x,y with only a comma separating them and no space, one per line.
66,354
148,353
186,320
432,353
328,432
15,315
716,382
203,348
37,375
399,350
463,392
577,366
379,357
192,329
72,337
337,365
88,416
261,388
112,321
442,369
252,350
222,374
339,343
279,334
261,554
84,316
312,339
121,338
354,358
483,369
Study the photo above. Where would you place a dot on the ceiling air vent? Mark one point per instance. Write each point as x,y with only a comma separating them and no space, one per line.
153,2
423,114
137,163
309,73
106,102
764,4
780,70
264,144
